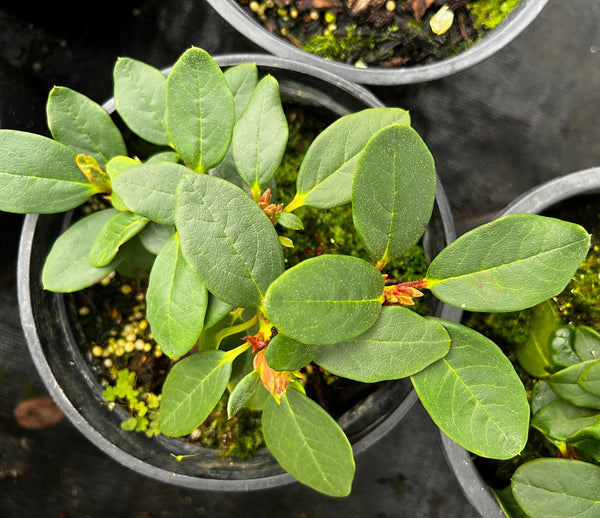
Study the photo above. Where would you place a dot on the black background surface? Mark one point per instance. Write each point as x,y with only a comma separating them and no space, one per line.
528,114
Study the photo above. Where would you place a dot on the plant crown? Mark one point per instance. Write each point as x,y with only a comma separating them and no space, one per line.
203,203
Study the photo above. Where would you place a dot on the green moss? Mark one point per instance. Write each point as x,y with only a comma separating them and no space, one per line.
489,13
350,45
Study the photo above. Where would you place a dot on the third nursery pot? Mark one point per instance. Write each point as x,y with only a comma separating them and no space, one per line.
269,38
551,360
63,357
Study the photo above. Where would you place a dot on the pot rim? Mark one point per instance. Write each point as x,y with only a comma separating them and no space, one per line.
514,23
534,201
127,459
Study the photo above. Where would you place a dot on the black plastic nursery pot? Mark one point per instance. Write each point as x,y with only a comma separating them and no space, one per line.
58,353
536,200
514,23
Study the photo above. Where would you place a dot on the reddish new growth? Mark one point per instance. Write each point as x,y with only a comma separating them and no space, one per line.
270,209
403,293
276,382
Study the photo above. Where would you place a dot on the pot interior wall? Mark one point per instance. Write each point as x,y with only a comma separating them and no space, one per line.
57,350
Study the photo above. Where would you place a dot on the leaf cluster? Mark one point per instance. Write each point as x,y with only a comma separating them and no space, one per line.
202,214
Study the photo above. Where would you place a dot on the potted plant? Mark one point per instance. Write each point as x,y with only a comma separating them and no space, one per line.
553,347
404,37
220,262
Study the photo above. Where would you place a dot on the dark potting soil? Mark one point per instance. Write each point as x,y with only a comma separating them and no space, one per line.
382,33
576,305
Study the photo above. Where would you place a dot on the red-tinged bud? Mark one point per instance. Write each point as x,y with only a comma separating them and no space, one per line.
276,382
258,341
270,209
403,293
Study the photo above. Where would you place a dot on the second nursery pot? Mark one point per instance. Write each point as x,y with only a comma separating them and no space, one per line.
58,353
536,200
514,23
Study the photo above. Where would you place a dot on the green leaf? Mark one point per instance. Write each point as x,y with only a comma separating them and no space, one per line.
216,310
326,299
86,127
114,167
586,343
242,80
508,503
474,395
542,395
289,220
309,444
116,231
227,239
242,393
176,300
393,192
561,419
134,259
558,488
39,175
561,347
400,344
67,267
325,176
589,379
260,136
534,354
163,156
154,236
565,384
140,91
191,391
509,264
200,110
286,354
149,190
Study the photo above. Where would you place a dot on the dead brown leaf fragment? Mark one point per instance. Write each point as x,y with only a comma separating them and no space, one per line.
419,7
307,5
358,7
37,413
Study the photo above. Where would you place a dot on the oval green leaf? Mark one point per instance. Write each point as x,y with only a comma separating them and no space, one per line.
289,220
509,264
474,395
67,267
177,301
325,176
561,419
558,488
117,230
542,395
260,136
566,384
149,190
140,91
242,393
400,344
83,125
200,112
39,175
393,192
589,380
326,299
286,354
586,343
154,236
192,389
242,80
534,353
561,347
309,444
216,310
227,239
